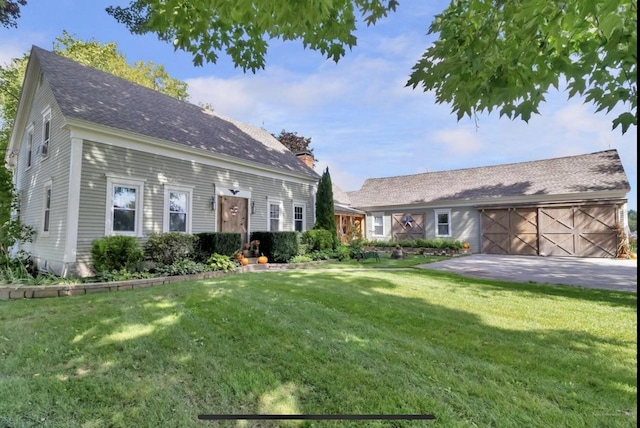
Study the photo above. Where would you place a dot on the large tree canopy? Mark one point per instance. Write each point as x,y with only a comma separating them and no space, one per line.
10,12
490,54
294,142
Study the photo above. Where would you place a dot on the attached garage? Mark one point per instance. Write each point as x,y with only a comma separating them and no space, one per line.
568,206
588,230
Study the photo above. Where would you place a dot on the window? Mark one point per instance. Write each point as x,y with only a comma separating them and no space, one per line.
46,223
378,225
443,223
46,133
298,217
29,147
124,207
177,209
275,216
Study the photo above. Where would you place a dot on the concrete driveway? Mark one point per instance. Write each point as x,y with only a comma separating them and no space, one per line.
606,274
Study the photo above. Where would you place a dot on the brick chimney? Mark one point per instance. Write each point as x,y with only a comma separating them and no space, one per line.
307,158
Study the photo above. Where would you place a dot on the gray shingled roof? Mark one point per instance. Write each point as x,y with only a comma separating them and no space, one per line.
92,95
601,171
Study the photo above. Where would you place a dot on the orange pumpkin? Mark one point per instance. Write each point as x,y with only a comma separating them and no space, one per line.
466,245
263,259
239,256
244,261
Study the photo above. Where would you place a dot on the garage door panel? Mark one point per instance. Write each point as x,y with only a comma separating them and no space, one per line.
495,244
510,231
582,231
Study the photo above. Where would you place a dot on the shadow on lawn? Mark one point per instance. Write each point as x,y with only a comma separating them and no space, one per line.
613,298
319,343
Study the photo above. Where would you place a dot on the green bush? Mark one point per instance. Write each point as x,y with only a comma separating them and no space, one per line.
343,253
210,243
318,239
168,248
121,275
301,258
116,253
221,262
322,255
182,267
284,246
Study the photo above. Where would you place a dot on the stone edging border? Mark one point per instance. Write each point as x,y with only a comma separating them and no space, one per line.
11,292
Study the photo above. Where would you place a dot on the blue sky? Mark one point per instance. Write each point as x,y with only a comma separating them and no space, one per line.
362,120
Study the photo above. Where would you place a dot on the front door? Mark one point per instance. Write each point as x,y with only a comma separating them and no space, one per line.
233,216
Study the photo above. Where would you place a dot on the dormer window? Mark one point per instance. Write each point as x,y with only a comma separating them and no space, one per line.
46,133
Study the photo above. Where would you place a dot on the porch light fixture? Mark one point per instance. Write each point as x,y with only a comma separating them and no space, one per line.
213,203
253,207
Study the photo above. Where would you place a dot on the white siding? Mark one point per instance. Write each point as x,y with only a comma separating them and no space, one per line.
46,249
100,159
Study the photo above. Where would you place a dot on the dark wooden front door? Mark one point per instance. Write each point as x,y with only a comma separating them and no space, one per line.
233,215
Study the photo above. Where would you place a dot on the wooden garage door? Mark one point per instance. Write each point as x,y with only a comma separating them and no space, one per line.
510,231
585,231
407,226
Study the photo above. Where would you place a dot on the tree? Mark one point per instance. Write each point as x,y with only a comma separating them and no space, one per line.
325,214
490,55
102,56
633,220
10,12
294,142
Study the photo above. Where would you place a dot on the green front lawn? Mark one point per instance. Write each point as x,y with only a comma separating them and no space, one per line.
470,352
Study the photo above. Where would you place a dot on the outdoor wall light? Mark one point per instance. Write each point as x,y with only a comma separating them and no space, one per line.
213,203
253,207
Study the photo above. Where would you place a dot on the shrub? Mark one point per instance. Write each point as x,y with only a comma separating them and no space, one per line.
121,275
322,255
168,248
284,246
343,253
318,239
116,253
221,262
301,258
209,243
182,267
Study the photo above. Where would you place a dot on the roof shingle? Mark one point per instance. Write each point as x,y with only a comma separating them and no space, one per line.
88,94
600,171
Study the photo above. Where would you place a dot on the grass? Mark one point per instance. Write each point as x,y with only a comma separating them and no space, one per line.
385,262
469,352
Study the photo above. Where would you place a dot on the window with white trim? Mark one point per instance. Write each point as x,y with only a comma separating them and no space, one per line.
46,133
298,217
29,147
378,225
274,222
46,209
177,209
443,223
124,206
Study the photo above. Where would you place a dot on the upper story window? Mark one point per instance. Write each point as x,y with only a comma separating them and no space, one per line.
124,206
177,209
443,223
46,132
29,147
298,217
274,223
